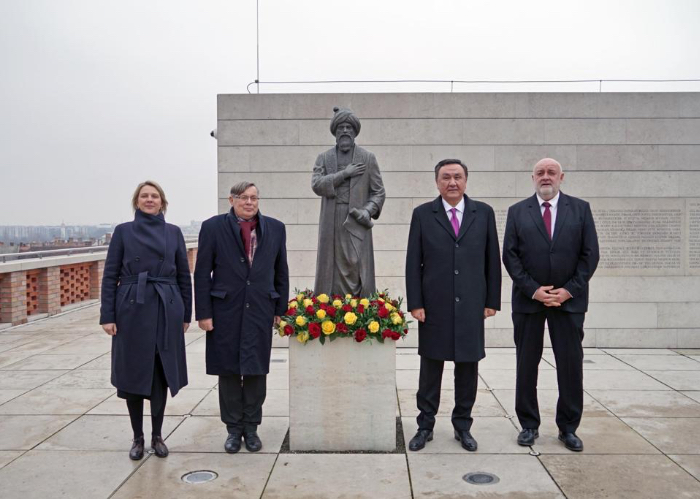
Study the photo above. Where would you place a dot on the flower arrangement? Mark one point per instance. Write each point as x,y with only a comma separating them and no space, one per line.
322,317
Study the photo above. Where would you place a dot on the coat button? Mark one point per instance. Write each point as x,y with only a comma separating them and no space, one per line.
137,259
456,298
160,259
456,272
131,301
456,245
247,305
242,260
248,283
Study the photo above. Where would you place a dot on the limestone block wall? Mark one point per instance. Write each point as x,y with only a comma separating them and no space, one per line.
635,157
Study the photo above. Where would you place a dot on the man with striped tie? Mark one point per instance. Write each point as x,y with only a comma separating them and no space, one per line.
453,283
550,250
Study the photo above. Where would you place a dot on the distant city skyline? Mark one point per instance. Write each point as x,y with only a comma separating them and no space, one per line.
98,96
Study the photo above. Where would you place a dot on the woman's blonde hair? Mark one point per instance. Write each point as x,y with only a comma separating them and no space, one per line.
163,199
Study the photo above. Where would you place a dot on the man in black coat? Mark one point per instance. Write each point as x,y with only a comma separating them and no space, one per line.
453,283
241,289
550,251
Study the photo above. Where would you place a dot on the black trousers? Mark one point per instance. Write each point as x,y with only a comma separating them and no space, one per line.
566,333
240,401
158,398
428,396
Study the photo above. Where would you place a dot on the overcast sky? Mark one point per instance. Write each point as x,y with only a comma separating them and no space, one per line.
97,95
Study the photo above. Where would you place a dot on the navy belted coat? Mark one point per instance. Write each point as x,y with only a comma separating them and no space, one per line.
242,300
147,292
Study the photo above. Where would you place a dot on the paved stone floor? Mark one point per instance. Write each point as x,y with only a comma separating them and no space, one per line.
63,432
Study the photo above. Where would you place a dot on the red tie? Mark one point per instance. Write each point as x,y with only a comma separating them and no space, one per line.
547,216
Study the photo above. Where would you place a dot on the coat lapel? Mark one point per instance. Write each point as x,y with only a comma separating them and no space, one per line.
235,234
441,216
562,212
468,217
534,208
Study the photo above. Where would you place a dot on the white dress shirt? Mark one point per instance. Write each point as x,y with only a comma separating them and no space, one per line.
460,210
554,202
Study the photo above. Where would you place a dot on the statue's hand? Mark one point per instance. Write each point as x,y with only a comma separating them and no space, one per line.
354,169
362,216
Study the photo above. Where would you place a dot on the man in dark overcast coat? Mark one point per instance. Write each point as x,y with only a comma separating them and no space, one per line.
241,288
550,250
453,283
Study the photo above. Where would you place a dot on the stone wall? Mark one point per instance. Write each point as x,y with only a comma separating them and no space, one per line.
635,157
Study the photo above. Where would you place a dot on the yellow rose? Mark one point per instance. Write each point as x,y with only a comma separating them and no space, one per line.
337,303
300,296
300,320
308,302
303,337
321,314
293,304
353,303
380,300
348,296
396,318
351,318
323,298
328,327
282,324
364,302
373,326
388,306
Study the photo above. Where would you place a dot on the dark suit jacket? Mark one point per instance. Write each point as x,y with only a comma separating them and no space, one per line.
242,300
453,278
568,260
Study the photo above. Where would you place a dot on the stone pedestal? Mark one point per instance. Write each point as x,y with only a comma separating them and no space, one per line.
342,396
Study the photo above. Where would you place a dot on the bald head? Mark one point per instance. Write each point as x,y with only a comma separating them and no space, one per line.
547,176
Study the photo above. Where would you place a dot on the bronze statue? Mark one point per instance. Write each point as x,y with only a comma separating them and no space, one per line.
347,177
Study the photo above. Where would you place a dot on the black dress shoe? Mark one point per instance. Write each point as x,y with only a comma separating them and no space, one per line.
419,440
467,440
252,441
233,443
528,436
159,446
571,441
136,452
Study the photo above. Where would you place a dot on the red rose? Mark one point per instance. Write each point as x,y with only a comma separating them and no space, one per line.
387,333
331,311
291,311
383,312
310,310
360,335
314,329
360,309
405,331
341,328
347,308
288,330
323,306
395,336
314,299
337,297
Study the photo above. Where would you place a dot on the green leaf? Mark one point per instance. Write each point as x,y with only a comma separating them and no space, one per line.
322,339
333,337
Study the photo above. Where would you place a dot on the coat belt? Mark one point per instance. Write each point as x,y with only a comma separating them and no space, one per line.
141,280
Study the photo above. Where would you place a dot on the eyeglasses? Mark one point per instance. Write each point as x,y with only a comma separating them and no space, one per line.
245,199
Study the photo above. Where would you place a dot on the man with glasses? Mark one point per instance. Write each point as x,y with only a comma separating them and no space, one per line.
241,288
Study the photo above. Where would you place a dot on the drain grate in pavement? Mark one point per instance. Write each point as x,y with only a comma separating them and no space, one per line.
480,478
202,476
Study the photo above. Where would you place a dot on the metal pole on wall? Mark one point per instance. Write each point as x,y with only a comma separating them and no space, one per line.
257,37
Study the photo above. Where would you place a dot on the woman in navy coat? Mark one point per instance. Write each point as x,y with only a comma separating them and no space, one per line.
146,308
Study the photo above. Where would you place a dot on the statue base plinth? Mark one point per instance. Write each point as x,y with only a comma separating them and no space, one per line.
342,396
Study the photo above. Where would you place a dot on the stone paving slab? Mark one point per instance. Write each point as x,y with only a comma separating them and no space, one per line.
505,379
83,379
183,403
620,380
695,395
597,362
678,380
690,463
9,357
486,404
659,362
646,403
433,476
638,351
50,400
27,380
407,379
339,476
276,404
7,456
547,400
39,474
599,435
104,361
25,432
494,436
6,395
620,477
239,476
208,434
104,433
670,435
49,361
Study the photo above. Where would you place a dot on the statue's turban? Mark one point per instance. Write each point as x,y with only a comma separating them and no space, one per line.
344,116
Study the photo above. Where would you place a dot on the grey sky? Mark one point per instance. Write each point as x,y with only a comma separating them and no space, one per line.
98,95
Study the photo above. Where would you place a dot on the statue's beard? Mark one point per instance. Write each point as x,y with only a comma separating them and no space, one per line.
345,143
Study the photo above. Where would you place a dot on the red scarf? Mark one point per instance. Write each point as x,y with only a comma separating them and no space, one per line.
249,241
